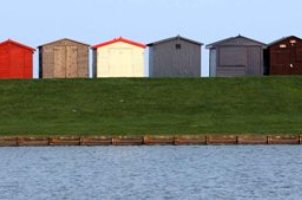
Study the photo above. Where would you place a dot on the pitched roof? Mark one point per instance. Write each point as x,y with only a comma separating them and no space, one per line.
18,44
119,39
178,37
221,42
284,38
63,40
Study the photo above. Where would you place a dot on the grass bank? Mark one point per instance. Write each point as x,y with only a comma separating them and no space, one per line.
270,105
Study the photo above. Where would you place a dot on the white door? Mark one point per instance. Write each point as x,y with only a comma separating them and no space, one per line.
120,62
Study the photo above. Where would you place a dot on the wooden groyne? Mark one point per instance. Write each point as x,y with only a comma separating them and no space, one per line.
13,141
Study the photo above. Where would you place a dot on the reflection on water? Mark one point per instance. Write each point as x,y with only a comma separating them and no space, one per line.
196,172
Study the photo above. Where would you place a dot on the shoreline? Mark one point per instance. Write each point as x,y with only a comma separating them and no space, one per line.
23,141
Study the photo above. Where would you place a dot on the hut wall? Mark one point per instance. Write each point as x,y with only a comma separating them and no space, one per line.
15,61
285,58
64,59
240,61
175,58
120,60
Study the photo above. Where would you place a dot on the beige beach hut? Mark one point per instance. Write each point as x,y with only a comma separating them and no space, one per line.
119,57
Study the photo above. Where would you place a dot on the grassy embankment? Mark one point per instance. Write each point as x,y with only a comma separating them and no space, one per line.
270,105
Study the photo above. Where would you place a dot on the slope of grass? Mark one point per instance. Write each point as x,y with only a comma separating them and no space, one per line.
270,105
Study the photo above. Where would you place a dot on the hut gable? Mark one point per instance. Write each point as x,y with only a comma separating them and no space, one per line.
64,58
236,41
175,57
16,60
119,57
236,56
63,42
17,44
285,56
119,40
168,40
285,40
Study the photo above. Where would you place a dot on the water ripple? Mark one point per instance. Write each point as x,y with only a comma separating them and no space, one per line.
193,172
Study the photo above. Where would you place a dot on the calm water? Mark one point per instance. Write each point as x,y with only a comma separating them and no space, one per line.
206,172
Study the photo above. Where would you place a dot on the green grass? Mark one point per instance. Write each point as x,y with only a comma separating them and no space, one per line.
269,105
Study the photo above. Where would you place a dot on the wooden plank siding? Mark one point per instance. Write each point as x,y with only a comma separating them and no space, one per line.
59,62
64,59
175,57
236,56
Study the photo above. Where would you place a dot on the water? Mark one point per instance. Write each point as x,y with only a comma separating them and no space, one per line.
194,172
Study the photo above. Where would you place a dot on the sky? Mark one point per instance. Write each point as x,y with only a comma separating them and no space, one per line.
36,22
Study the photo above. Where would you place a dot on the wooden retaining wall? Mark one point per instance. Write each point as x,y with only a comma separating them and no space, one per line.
256,139
191,140
95,140
222,139
159,140
33,141
8,141
127,140
64,141
12,141
284,139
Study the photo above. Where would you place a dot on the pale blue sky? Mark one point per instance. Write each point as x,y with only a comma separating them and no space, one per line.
36,22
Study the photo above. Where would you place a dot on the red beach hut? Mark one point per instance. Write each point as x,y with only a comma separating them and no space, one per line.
16,60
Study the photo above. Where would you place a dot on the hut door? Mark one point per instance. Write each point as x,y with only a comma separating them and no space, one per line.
213,62
4,63
113,68
282,61
128,68
295,63
120,62
59,62
254,61
298,60
71,62
16,63
47,71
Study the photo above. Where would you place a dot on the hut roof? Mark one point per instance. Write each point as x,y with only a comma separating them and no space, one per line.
119,39
221,42
74,41
178,37
284,38
18,44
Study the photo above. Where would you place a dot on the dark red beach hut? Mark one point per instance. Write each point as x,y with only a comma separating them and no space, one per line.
285,56
16,60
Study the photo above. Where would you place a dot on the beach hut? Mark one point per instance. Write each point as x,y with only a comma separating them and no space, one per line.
285,56
119,57
175,57
16,60
237,56
64,58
